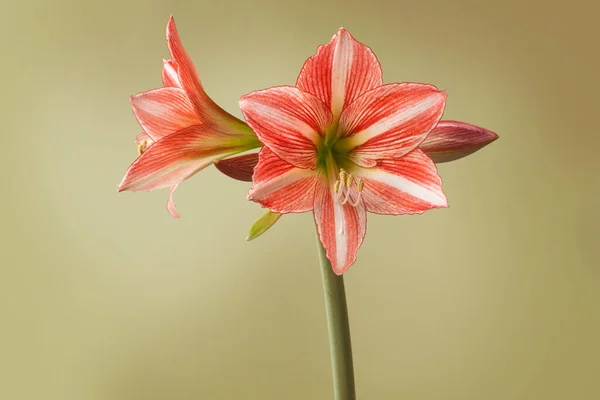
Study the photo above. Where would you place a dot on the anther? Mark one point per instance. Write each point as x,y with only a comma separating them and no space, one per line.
336,186
349,179
342,176
360,185
142,147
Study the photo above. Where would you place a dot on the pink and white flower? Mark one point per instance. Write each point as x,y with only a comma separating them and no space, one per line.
184,130
341,143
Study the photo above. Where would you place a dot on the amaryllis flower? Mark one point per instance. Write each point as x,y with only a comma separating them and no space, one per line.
183,129
340,143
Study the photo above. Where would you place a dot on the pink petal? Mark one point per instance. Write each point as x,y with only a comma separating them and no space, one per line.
451,140
288,121
341,227
206,109
188,77
163,111
239,167
407,185
340,72
280,186
390,121
171,205
176,157
170,76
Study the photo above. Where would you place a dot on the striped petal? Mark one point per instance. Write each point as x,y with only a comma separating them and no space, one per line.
176,157
408,185
340,72
163,111
239,167
341,227
206,109
451,140
280,186
390,121
288,121
170,73
186,72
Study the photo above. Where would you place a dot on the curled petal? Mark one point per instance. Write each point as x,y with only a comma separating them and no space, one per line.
170,75
239,167
451,140
341,227
408,185
163,111
280,186
178,156
390,121
341,71
288,121
171,205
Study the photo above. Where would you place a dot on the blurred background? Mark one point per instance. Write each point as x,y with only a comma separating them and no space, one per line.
105,296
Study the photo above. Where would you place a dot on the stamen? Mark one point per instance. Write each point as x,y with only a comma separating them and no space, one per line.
355,202
360,185
142,147
336,186
342,176
349,179
347,195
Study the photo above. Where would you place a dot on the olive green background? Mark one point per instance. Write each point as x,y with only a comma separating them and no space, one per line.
104,296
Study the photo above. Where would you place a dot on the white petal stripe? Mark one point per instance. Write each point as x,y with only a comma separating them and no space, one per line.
403,184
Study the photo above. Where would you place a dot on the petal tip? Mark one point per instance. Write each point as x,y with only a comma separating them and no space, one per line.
123,186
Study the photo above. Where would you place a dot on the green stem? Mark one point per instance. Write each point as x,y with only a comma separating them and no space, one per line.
339,330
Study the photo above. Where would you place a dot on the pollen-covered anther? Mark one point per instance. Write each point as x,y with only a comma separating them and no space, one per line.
360,185
336,186
142,147
349,180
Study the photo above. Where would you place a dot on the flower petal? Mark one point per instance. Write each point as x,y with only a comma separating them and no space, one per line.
163,111
390,121
176,157
169,74
451,140
280,186
340,72
239,167
188,77
341,227
288,121
171,205
408,185
206,109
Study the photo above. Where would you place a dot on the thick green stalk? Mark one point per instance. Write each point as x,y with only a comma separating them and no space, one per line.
339,330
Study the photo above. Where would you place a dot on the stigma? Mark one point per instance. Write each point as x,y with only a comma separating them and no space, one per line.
348,188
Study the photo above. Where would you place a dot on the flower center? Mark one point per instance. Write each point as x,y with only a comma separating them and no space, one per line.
348,188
